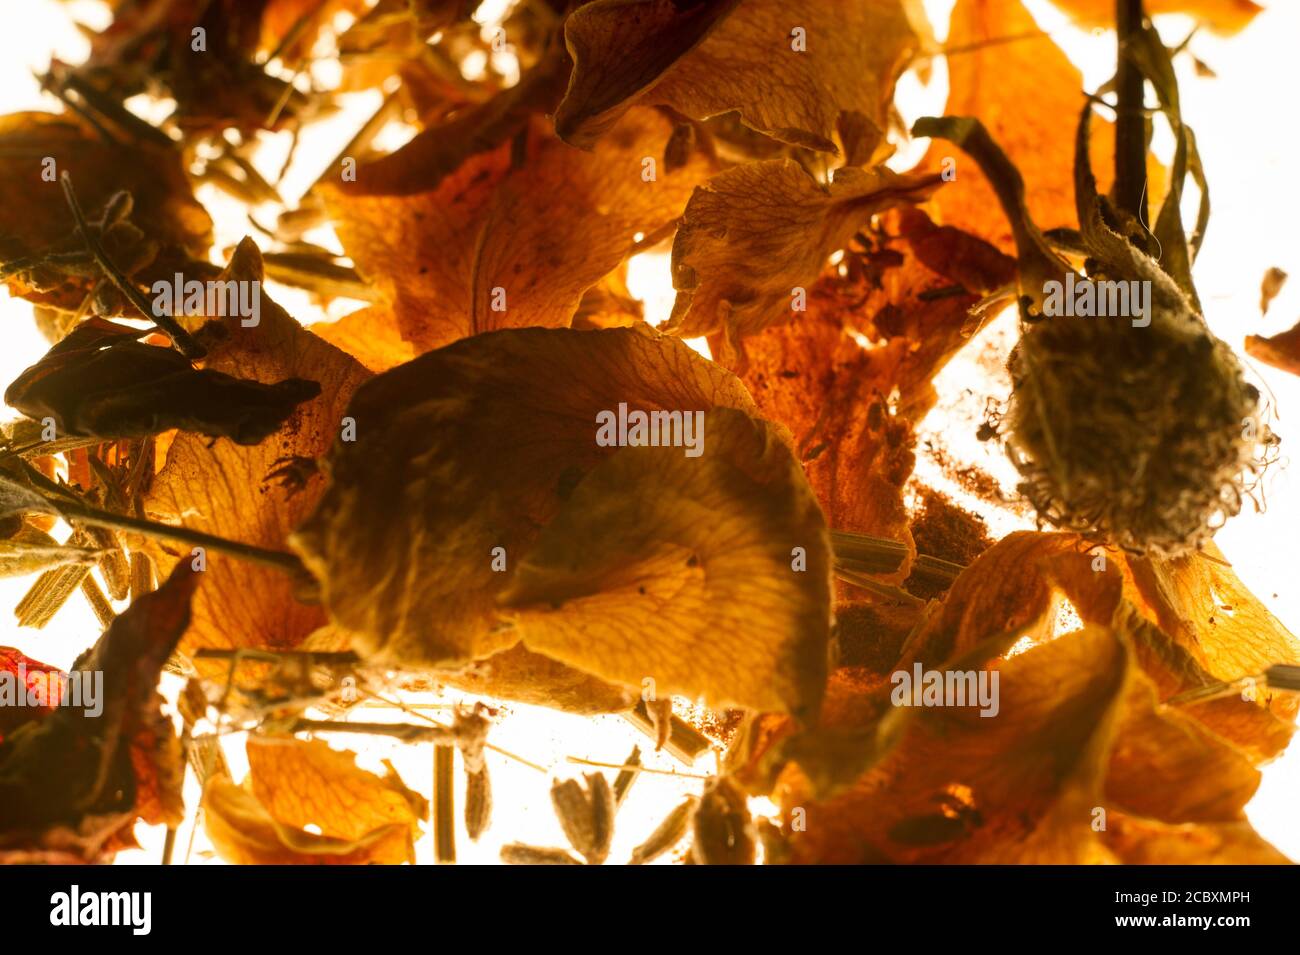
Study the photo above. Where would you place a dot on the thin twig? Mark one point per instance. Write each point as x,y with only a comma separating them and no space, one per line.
429,719
280,560
405,732
643,769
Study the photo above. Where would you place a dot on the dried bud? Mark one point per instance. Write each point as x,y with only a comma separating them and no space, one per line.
1134,435
478,802
586,814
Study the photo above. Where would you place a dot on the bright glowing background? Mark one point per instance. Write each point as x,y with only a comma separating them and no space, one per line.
1255,215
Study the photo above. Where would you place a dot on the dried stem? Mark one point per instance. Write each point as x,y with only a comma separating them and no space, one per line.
444,804
637,768
281,560
412,711
405,732
1131,119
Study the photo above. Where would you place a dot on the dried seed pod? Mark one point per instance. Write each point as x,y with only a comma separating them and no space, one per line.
668,833
517,853
478,802
470,728
724,831
1130,423
1138,436
586,814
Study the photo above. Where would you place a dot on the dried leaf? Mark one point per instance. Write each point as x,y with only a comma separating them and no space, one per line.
222,488
1091,698
757,235
370,335
1280,351
912,301
1027,93
435,153
23,675
100,382
1269,287
526,677
18,497
490,248
1215,629
800,72
1010,592
35,219
1222,16
302,783
244,833
32,550
961,788
1166,766
50,793
1136,841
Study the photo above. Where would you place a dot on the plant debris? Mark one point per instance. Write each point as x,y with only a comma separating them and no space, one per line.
475,463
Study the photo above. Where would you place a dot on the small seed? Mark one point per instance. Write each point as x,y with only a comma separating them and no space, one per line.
517,853
478,803
667,835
